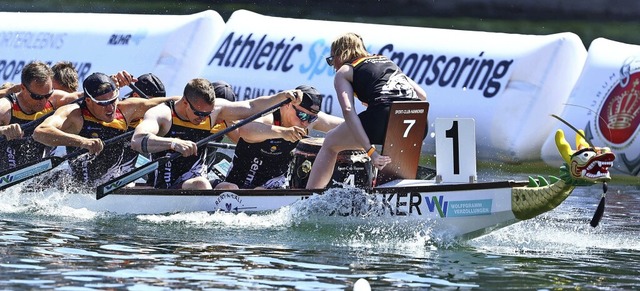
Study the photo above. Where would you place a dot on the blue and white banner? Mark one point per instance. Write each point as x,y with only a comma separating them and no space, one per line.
173,47
508,83
605,103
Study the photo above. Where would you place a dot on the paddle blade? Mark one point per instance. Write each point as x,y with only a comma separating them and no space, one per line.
115,184
20,173
598,215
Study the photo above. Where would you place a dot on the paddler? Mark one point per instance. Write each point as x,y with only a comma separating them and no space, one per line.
177,126
263,151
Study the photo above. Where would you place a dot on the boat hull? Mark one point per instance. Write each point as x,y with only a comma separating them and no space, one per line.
464,210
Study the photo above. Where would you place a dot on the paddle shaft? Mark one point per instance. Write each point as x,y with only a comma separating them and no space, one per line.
205,140
117,183
221,145
106,142
137,90
20,173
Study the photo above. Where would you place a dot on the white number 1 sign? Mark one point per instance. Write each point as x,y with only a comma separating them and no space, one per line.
455,150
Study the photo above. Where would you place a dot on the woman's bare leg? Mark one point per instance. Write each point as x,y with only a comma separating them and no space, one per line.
337,140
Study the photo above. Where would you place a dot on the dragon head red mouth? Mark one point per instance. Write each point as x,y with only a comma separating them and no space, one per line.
592,164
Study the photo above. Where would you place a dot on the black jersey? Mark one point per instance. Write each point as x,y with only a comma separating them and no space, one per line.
256,163
23,150
172,174
377,80
115,159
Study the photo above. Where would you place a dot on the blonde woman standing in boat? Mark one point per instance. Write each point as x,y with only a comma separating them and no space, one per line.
377,82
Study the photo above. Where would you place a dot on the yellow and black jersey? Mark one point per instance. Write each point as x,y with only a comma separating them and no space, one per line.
115,159
21,151
174,173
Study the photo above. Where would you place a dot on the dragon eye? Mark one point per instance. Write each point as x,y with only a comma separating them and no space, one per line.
585,156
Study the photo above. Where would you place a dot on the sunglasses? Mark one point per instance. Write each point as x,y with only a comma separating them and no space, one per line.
196,111
329,60
303,116
37,96
106,102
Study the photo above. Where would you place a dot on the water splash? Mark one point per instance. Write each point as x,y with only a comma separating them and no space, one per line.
25,198
343,216
220,219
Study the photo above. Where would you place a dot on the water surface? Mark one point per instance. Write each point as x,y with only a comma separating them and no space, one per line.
46,244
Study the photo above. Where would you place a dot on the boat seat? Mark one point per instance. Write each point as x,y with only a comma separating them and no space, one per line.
403,140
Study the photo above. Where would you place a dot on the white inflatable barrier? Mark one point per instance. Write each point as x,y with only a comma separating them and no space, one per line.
605,103
508,83
173,47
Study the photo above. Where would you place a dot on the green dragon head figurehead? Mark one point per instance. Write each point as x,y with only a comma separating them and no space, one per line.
585,163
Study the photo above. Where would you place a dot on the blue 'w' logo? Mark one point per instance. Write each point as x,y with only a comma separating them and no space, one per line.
6,179
113,185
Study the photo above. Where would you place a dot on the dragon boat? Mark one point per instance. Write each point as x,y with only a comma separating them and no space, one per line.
465,209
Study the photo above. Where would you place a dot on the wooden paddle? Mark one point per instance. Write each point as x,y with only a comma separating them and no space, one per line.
32,124
119,182
20,173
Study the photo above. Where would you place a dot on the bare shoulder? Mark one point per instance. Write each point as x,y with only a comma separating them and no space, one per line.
267,119
5,109
134,102
68,109
5,104
345,72
156,120
224,103
223,108
159,112
60,98
68,118
345,69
